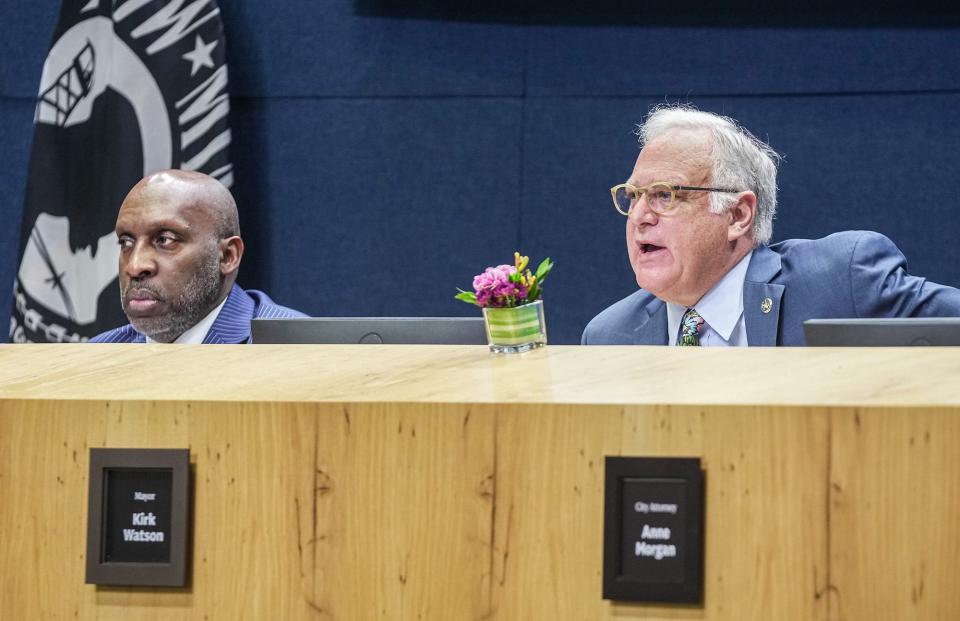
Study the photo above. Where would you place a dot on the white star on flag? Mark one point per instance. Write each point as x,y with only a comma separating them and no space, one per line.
200,56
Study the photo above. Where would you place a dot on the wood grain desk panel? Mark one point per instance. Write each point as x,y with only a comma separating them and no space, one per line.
360,482
469,374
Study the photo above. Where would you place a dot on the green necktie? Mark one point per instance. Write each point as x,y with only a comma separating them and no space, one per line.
690,328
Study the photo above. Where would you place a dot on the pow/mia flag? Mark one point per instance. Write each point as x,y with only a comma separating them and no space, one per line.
129,87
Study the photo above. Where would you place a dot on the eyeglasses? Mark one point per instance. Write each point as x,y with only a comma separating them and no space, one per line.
660,196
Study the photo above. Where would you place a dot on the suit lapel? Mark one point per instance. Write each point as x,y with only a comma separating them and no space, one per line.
761,298
652,329
232,325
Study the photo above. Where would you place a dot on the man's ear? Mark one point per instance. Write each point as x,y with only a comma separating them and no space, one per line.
231,251
741,215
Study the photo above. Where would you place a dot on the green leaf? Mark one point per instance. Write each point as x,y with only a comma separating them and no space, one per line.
544,269
466,296
533,293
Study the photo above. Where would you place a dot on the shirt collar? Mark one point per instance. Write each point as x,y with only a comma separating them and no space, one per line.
720,307
196,334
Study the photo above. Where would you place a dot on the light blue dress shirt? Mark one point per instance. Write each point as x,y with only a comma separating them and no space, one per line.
721,308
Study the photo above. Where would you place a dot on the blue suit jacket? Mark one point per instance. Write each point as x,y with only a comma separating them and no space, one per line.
846,275
232,325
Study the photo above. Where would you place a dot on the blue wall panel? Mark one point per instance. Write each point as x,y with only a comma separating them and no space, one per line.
376,207
25,31
308,48
885,163
680,62
16,120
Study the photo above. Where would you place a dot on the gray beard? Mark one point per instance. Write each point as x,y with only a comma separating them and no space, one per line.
189,306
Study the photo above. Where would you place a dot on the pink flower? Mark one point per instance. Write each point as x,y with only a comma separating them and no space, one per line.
494,288
507,285
493,278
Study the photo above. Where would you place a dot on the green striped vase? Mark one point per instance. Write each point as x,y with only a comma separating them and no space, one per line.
516,330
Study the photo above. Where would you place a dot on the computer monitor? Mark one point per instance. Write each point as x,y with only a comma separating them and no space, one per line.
389,330
902,332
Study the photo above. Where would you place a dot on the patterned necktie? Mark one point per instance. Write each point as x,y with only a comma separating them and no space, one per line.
690,328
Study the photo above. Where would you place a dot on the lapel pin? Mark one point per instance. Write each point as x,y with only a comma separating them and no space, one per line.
766,305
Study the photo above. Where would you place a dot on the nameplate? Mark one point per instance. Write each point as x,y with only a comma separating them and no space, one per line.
137,517
653,530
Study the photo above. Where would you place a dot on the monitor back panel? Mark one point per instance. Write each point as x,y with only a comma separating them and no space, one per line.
375,330
896,332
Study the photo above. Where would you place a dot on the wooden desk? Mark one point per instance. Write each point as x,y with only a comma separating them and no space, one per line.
420,482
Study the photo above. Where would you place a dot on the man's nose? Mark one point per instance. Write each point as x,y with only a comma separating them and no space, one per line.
139,261
641,213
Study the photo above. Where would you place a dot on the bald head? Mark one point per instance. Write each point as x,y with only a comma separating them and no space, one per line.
199,191
180,250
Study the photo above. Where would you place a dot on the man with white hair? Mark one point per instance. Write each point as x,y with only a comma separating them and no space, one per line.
699,206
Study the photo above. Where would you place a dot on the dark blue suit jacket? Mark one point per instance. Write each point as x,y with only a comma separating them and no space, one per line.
845,275
232,325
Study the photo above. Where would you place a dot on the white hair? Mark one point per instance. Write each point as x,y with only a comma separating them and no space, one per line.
741,161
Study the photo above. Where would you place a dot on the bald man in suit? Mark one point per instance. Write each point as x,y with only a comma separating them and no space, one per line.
180,251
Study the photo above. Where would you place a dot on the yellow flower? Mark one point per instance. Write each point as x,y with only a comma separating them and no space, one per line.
520,262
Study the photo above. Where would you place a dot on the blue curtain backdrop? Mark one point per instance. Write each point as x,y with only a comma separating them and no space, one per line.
386,151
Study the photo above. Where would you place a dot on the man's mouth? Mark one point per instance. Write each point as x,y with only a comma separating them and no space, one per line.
141,301
649,248
141,305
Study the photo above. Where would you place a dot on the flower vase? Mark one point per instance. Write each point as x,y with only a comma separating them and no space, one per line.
516,330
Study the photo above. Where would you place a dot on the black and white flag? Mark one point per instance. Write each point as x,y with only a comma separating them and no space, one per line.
129,87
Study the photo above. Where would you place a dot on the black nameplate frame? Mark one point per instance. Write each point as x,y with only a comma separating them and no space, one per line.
137,517
653,530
